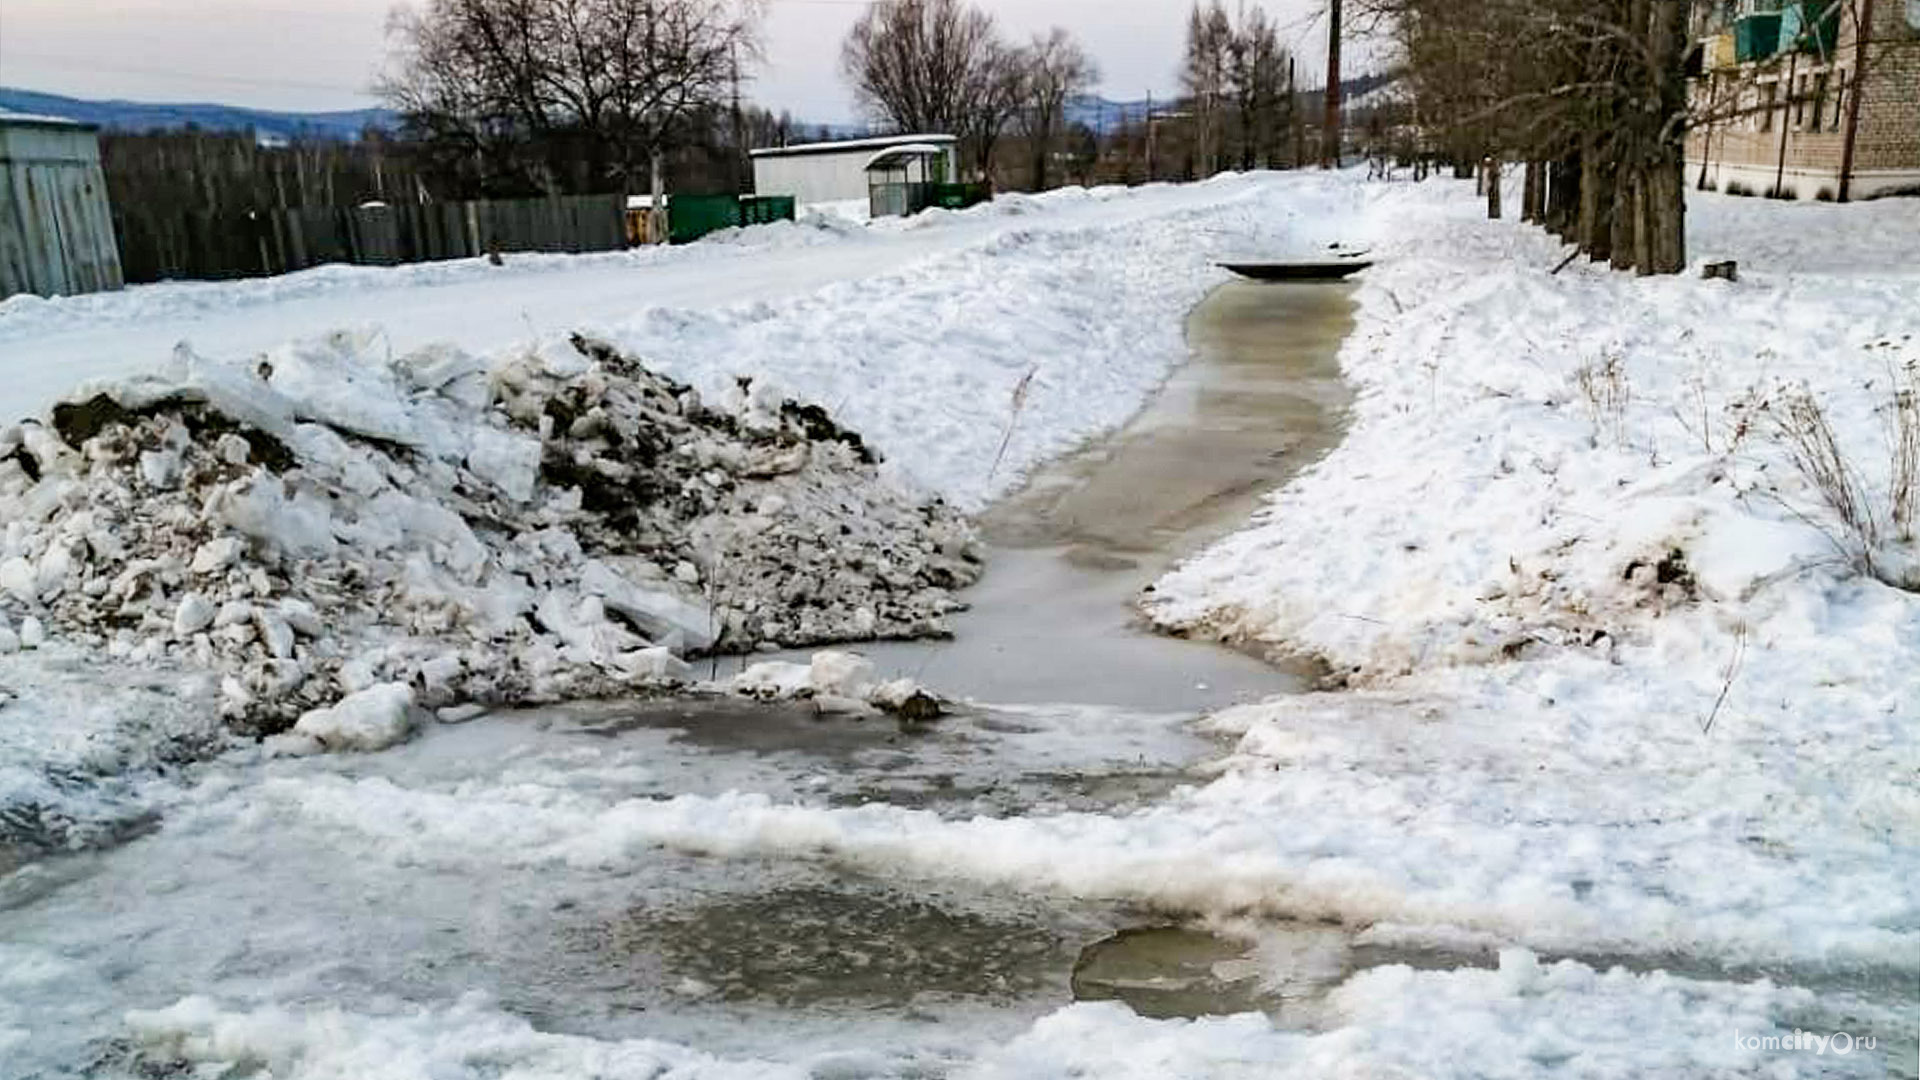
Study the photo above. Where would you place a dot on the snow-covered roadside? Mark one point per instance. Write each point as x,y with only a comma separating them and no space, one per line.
1608,670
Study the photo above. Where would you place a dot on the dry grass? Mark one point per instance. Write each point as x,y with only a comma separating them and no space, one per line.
1901,417
1860,526
1607,391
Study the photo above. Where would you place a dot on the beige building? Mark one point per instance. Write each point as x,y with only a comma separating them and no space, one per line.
1776,85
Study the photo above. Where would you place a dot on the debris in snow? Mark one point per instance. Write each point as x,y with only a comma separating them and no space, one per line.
328,520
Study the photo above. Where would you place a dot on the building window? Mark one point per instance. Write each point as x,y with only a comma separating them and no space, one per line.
1840,92
1769,98
1819,100
1799,91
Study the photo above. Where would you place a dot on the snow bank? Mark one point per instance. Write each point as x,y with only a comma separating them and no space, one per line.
323,519
1540,461
1709,736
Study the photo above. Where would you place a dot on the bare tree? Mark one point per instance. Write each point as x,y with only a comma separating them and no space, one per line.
562,95
1597,89
1056,70
992,97
1257,67
935,66
1203,75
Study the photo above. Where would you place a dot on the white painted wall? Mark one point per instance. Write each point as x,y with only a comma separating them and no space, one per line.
834,175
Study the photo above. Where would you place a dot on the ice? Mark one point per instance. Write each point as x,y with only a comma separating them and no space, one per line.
370,719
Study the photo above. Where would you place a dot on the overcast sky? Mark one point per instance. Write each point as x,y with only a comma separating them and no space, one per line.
322,54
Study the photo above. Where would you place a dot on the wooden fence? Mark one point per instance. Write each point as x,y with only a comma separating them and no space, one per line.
158,245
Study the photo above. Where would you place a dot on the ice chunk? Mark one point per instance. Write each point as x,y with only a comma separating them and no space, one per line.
372,719
194,614
17,576
773,679
508,462
661,615
657,664
216,555
842,674
302,617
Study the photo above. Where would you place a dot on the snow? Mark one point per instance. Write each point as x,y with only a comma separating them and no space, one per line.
1612,725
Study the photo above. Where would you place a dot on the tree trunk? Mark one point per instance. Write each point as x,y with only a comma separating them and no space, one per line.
1642,222
1596,206
1493,189
1533,203
1667,216
1665,182
1621,221
1563,198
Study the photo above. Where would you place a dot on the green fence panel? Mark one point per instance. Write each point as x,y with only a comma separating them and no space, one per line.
766,209
958,196
691,217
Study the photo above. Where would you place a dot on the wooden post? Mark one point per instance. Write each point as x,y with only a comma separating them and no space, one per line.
657,213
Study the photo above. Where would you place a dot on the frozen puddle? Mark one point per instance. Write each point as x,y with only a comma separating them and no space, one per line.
496,857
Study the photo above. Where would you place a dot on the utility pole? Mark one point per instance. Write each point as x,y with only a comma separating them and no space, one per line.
1150,137
1330,138
1862,33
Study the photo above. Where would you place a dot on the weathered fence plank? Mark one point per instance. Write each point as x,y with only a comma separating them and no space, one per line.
161,245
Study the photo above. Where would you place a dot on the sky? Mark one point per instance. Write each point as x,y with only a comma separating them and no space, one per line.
324,54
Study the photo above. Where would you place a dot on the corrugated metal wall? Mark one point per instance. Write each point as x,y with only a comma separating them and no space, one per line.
56,231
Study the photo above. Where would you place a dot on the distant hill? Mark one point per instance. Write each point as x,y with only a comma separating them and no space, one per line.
1103,114
142,116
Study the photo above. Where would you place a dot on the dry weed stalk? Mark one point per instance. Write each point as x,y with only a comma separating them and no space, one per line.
1607,391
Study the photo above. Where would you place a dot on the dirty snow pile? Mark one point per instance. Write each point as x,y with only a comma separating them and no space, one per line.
431,530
